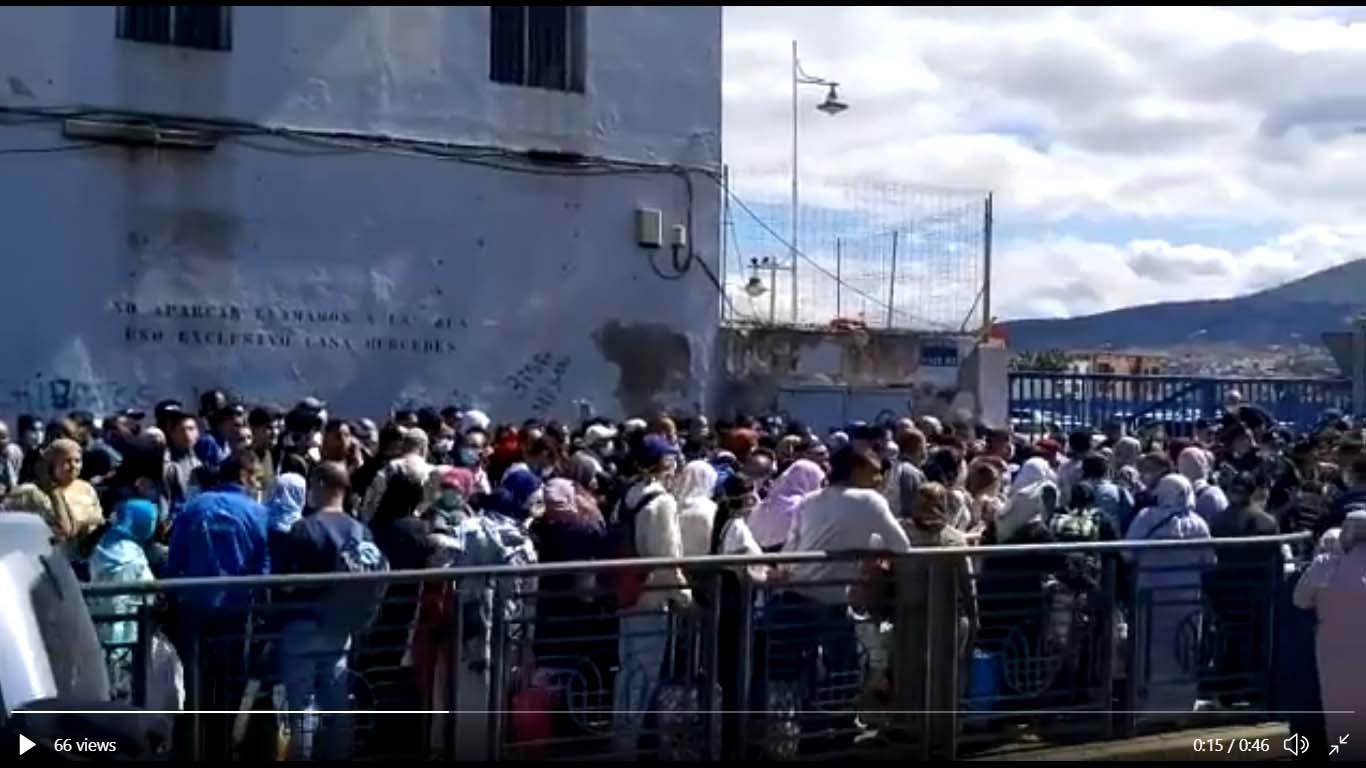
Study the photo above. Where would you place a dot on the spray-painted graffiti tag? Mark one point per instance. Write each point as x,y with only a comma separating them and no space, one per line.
540,379
52,395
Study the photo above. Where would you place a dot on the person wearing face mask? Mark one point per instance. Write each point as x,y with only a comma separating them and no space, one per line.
443,446
471,453
730,535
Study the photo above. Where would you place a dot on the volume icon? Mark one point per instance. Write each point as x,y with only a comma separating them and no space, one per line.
1295,744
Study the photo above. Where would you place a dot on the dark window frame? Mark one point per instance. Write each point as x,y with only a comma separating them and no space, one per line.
539,46
201,27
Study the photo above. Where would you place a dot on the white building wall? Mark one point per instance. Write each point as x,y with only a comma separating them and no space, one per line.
366,277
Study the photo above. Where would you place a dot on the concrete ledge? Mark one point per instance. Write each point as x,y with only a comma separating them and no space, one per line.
1176,745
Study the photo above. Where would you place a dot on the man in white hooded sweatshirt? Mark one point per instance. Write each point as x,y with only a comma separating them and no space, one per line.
648,520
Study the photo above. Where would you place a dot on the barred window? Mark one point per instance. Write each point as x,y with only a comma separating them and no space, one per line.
189,26
539,46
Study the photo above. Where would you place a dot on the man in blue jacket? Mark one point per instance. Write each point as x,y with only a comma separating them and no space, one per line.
221,532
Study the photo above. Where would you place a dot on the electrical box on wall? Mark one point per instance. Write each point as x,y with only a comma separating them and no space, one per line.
649,227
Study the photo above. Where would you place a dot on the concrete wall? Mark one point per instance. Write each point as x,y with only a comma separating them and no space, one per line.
368,278
826,378
653,78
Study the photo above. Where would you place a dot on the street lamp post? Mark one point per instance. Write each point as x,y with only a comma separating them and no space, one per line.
831,106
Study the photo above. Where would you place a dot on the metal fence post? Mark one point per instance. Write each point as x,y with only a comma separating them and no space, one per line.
1134,666
910,655
944,658
712,724
142,656
839,277
891,282
498,659
744,678
196,691
1109,620
452,718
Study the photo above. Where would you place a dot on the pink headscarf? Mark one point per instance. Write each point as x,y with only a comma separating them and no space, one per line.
566,502
772,518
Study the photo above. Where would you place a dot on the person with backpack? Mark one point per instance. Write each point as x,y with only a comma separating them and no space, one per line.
317,636
1114,502
646,525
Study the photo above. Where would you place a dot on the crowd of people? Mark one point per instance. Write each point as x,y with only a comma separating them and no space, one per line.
238,491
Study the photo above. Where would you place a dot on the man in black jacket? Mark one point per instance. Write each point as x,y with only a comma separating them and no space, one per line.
1236,590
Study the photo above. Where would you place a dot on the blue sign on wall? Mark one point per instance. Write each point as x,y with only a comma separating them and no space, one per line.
939,356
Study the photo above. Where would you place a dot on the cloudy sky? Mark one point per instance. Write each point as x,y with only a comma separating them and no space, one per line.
1136,155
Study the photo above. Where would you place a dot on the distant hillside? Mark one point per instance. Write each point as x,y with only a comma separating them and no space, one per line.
1299,310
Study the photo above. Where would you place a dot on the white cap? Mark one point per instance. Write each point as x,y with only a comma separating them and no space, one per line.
635,425
474,420
598,433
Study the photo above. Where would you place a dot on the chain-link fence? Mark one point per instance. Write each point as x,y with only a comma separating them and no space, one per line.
887,255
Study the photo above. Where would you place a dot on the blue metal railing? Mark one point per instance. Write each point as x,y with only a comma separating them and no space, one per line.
1071,400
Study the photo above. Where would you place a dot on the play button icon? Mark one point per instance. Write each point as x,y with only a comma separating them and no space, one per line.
24,744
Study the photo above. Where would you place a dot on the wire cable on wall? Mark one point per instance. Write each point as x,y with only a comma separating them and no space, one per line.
315,144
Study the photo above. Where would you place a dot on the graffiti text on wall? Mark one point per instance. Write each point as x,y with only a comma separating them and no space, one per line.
44,396
267,327
540,379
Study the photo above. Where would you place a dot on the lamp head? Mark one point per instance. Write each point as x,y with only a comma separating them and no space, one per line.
832,104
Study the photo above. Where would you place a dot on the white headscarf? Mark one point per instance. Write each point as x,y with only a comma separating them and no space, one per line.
694,487
474,420
1175,494
695,483
1035,470
1032,493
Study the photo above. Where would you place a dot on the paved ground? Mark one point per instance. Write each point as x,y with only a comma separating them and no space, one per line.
1177,745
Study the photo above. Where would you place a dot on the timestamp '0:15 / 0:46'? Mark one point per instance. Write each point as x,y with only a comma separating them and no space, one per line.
1231,746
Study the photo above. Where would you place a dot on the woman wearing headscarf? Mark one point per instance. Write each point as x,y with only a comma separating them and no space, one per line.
119,559
696,510
1012,589
1334,588
571,530
76,508
519,496
572,615
772,519
284,508
1169,585
1195,464
1124,464
929,527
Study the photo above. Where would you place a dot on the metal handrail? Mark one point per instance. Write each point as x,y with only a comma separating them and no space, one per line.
712,562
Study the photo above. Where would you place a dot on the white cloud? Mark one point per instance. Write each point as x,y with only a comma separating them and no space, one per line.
1232,119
